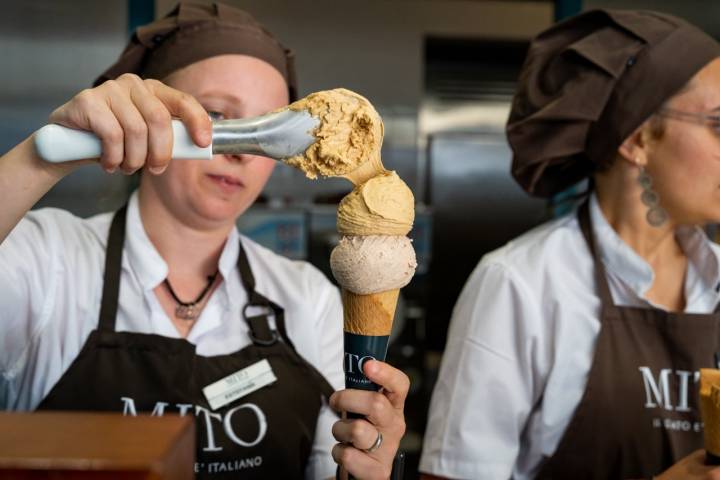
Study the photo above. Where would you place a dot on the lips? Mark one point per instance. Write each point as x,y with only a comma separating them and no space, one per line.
226,179
227,184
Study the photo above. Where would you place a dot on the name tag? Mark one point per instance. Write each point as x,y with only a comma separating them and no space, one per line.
239,384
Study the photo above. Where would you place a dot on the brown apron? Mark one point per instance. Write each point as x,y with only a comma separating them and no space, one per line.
268,433
639,412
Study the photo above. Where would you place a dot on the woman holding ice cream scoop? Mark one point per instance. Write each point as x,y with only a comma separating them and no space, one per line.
139,310
573,350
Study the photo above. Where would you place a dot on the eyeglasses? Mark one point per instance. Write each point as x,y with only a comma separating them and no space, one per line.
712,121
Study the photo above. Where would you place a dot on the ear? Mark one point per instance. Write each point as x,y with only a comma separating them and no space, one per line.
634,148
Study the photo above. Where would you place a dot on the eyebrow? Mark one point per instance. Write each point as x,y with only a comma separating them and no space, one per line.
225,96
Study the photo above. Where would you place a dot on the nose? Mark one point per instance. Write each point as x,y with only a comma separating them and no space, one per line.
239,158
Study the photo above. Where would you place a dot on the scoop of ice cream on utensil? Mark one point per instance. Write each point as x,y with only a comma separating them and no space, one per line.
328,133
349,137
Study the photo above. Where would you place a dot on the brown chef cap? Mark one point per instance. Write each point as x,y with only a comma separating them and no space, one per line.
588,83
193,32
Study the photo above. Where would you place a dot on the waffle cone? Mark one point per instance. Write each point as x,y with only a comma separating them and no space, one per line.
369,314
710,408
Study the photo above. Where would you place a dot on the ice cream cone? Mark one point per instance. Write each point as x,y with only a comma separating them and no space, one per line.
710,411
371,314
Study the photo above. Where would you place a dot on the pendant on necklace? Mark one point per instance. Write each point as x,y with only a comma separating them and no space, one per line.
186,312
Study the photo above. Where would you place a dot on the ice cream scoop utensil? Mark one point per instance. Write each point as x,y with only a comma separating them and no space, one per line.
277,135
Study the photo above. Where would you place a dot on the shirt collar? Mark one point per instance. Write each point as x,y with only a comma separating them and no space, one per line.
146,262
625,264
229,256
144,259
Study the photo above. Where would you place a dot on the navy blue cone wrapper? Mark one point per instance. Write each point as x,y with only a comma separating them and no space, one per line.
367,326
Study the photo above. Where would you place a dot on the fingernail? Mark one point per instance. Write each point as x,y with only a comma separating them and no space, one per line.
110,169
156,170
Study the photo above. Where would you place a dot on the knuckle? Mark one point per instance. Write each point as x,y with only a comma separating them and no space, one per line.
357,430
186,99
401,426
130,78
405,382
158,116
114,135
112,85
378,405
151,83
136,129
335,430
85,97
189,103
339,399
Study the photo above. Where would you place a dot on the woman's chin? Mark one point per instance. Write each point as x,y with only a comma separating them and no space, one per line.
220,210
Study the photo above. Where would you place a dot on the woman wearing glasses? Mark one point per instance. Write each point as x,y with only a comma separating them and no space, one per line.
573,351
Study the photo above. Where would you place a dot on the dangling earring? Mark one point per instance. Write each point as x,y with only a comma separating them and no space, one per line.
656,215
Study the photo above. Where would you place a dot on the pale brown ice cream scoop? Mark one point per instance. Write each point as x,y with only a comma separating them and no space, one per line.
348,138
383,205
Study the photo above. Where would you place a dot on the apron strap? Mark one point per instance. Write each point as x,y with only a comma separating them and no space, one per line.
260,331
600,274
113,267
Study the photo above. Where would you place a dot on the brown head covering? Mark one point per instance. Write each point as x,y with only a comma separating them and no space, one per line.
193,32
588,83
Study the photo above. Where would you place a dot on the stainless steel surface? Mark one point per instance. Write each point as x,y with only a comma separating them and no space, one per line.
276,135
477,208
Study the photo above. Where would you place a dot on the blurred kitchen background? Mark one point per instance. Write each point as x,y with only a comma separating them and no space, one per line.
440,72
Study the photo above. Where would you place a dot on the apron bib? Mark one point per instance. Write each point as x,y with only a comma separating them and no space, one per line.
639,413
268,433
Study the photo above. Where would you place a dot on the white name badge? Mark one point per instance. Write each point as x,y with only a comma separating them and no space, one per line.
239,384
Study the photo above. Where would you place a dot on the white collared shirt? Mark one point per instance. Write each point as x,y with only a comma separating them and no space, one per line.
522,339
51,277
